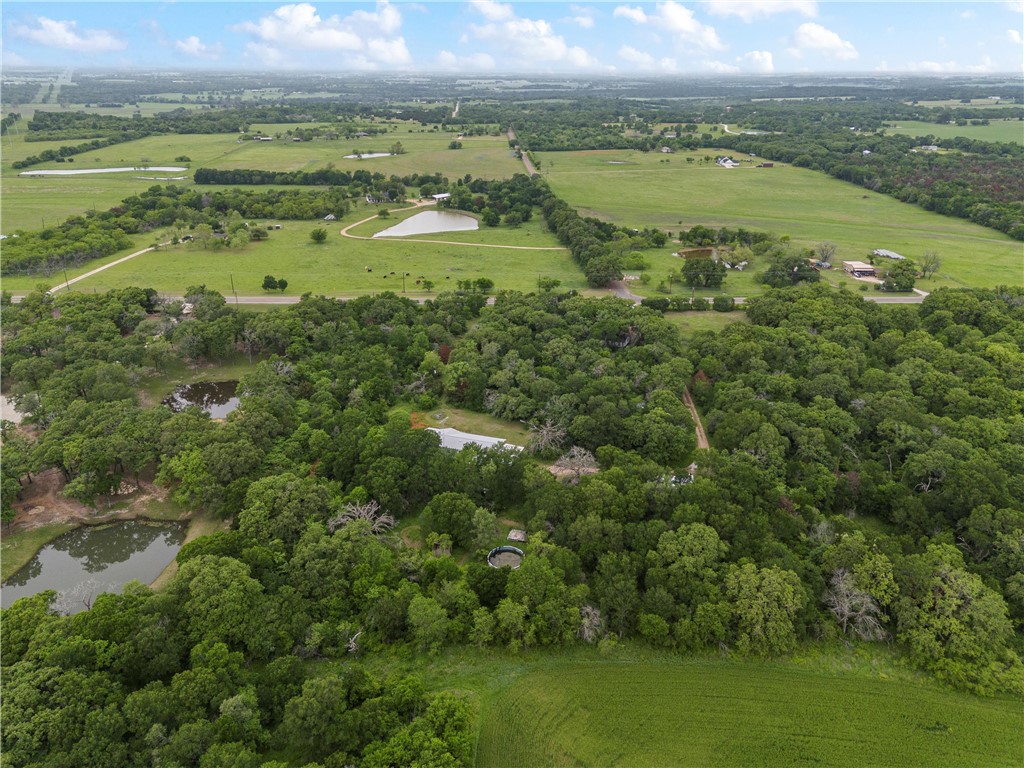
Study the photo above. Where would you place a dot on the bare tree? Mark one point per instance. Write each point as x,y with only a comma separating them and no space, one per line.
826,252
380,522
82,594
550,434
591,624
578,461
854,609
930,263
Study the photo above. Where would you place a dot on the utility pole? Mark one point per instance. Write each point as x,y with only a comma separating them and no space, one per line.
232,276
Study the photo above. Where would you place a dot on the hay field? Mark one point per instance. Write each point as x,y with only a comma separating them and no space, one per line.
637,190
722,713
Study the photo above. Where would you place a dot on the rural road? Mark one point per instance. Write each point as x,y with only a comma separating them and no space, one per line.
526,161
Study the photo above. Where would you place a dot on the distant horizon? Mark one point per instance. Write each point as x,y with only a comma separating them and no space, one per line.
486,37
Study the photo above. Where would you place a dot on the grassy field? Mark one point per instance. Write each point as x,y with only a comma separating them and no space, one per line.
737,713
634,706
635,189
689,323
29,203
338,266
996,130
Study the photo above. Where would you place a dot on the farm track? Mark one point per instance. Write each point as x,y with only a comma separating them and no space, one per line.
702,438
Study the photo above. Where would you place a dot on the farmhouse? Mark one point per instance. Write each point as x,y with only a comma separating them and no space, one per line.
860,269
887,254
726,162
455,440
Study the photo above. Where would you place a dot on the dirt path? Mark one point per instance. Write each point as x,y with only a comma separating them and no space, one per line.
96,271
619,288
702,438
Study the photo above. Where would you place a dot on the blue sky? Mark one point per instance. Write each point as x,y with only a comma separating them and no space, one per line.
484,36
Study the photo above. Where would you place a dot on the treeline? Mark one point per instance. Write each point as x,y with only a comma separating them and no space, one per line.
62,153
600,248
97,234
8,121
978,180
863,485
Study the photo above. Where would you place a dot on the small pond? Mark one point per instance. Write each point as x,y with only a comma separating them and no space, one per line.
217,398
89,560
83,171
430,222
368,156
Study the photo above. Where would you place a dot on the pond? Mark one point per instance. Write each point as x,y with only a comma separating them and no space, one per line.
89,560
430,222
83,171
217,398
367,155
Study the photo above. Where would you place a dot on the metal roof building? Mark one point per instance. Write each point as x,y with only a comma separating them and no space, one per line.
456,440
887,254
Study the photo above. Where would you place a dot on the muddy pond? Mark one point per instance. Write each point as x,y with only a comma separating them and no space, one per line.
89,560
217,398
431,222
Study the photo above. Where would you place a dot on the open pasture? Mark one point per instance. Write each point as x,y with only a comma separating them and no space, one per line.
692,712
639,189
1010,131
339,266
29,202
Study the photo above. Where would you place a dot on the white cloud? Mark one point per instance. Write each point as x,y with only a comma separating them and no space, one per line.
968,15
719,68
1015,5
193,46
493,11
447,60
757,61
527,43
66,35
750,10
1014,36
986,65
633,56
370,37
583,16
12,59
814,37
633,14
677,20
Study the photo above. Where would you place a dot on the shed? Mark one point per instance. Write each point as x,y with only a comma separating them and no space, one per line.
441,196
859,269
456,440
887,254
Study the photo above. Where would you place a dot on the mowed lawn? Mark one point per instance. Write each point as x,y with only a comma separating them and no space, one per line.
338,267
635,189
721,713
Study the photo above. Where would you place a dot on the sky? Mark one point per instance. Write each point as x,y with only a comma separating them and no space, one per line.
484,36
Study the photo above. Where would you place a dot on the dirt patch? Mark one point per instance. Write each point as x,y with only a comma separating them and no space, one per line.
42,503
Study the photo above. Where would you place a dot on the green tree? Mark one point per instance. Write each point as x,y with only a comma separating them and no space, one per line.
318,235
764,603
270,283
900,277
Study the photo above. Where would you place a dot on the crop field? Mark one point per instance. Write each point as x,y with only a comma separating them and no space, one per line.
635,189
1010,130
339,266
692,712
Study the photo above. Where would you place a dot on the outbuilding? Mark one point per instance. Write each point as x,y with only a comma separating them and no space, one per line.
455,440
887,254
860,269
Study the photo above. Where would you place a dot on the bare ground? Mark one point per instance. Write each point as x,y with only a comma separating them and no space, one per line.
42,503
